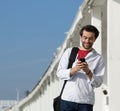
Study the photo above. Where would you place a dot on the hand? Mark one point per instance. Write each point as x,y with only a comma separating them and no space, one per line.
85,67
76,68
79,66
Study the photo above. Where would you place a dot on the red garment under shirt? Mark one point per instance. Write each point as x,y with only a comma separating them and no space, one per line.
82,53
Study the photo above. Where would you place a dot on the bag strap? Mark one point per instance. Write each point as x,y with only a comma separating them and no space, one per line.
71,60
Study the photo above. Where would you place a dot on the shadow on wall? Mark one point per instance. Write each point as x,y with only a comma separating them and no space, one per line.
118,1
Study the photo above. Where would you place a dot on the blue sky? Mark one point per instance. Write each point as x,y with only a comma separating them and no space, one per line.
30,32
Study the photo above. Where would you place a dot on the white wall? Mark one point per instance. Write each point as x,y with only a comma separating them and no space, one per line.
113,38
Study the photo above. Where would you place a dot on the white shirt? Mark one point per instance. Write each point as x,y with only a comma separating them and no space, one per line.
79,88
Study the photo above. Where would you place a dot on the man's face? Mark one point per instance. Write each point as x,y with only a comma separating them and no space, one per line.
87,39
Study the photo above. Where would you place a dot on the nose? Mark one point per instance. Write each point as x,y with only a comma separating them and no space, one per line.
88,40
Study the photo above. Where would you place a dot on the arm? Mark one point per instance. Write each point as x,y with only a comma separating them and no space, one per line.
62,71
95,77
97,74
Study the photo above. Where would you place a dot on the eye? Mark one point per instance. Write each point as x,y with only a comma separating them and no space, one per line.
84,37
88,38
91,38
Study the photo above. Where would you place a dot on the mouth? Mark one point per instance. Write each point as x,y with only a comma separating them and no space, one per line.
87,46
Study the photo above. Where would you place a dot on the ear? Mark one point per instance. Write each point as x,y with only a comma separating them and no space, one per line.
95,39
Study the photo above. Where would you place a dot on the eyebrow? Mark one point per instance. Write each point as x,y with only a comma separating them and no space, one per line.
87,37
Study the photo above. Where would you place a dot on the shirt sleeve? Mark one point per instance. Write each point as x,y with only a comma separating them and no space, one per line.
62,71
98,74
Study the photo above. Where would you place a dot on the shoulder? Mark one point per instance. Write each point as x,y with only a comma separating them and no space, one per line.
98,55
68,50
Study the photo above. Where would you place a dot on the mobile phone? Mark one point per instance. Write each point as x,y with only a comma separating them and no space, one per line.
82,59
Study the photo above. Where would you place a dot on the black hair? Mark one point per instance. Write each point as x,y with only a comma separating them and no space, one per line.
90,28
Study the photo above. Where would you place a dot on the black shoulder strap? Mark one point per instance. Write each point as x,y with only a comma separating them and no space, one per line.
72,56
71,60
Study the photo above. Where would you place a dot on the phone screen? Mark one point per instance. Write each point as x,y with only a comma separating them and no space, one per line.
82,59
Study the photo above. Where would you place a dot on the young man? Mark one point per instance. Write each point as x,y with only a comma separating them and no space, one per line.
84,76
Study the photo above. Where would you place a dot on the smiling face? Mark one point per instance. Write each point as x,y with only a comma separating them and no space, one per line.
87,39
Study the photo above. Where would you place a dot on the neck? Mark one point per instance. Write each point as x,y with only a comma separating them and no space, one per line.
82,48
